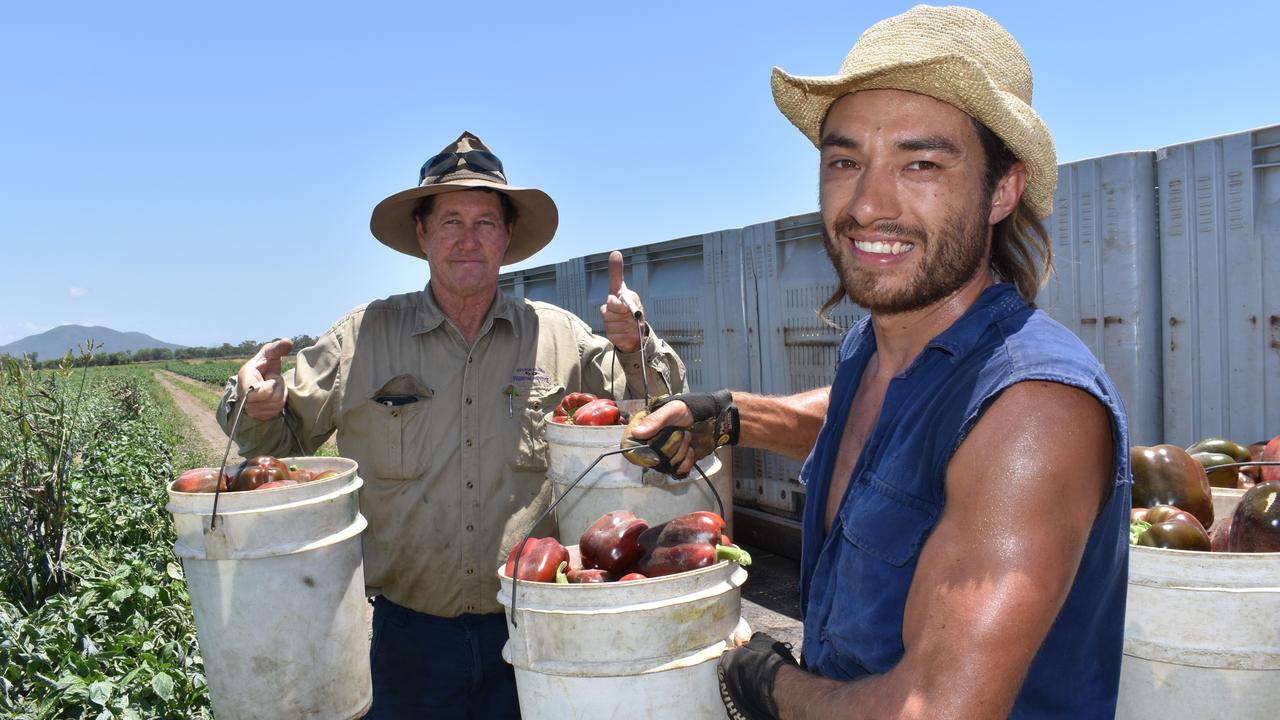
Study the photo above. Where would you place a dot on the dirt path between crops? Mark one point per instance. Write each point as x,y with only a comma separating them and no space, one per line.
202,419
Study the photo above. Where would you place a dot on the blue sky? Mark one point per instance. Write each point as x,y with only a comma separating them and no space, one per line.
205,173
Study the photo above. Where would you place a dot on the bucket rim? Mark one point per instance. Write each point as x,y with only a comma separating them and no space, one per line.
240,501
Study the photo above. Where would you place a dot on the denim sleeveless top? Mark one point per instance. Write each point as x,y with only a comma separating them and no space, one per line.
854,582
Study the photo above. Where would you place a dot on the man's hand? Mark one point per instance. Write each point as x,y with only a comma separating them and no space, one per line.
262,373
619,310
701,423
747,675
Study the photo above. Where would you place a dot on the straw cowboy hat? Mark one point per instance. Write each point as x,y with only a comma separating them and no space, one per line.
953,54
467,164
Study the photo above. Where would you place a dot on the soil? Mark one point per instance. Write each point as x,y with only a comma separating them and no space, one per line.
204,422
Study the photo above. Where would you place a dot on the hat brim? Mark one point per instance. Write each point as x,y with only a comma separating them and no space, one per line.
955,80
536,218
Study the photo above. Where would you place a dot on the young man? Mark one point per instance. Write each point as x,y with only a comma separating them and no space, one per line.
964,544
440,396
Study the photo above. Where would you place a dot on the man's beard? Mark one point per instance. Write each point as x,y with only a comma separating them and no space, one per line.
949,259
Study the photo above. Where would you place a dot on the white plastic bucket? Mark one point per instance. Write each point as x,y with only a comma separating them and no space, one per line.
277,588
1200,635
644,649
616,484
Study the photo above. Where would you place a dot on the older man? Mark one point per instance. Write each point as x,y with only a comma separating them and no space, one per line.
964,544
440,396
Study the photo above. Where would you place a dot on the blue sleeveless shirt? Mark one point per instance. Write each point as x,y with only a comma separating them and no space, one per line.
854,582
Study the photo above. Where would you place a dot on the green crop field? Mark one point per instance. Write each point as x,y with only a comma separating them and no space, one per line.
95,619
214,372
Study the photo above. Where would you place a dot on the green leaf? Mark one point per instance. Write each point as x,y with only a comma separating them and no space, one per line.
147,591
100,692
174,571
1136,528
122,594
162,684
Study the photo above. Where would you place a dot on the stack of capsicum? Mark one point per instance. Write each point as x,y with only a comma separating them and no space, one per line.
621,547
1173,500
580,408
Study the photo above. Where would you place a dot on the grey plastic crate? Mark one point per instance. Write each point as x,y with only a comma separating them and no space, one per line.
533,283
1106,282
1167,267
787,277
679,304
1220,264
691,289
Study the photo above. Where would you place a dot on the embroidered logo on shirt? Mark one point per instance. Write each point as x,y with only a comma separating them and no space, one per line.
530,377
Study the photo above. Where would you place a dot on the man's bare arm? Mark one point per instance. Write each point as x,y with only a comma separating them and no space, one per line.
786,424
1023,491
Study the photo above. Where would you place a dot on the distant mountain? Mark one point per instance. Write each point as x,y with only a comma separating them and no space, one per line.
55,343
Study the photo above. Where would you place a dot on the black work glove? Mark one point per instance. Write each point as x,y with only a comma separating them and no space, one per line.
715,423
713,413
747,674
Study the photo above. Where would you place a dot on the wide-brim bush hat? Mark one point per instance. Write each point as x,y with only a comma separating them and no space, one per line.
467,164
954,54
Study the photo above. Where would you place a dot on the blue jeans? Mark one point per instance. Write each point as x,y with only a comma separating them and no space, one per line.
432,667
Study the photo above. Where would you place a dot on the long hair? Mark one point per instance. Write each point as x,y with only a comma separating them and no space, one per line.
1021,249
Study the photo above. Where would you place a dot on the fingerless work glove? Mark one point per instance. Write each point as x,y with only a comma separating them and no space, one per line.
747,674
715,424
713,413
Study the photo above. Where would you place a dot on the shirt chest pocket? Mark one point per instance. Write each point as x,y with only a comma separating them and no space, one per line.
882,532
529,409
885,522
398,418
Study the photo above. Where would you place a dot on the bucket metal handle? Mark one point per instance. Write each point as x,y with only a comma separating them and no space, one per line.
519,549
217,486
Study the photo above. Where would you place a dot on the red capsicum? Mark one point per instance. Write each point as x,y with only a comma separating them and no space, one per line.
571,402
1165,526
612,542
1168,475
691,541
538,560
1255,525
603,411
566,575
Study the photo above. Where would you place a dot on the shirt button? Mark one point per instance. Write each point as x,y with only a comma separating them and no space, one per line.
468,401
468,442
471,528
471,571
470,484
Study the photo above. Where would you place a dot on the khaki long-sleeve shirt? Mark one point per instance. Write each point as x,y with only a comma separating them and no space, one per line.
449,438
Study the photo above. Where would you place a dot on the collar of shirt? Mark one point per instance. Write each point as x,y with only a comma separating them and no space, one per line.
429,315
995,303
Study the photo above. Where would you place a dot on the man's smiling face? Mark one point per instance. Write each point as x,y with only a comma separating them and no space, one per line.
904,209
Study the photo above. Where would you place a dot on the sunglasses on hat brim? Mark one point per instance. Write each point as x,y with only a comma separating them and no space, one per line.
476,161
